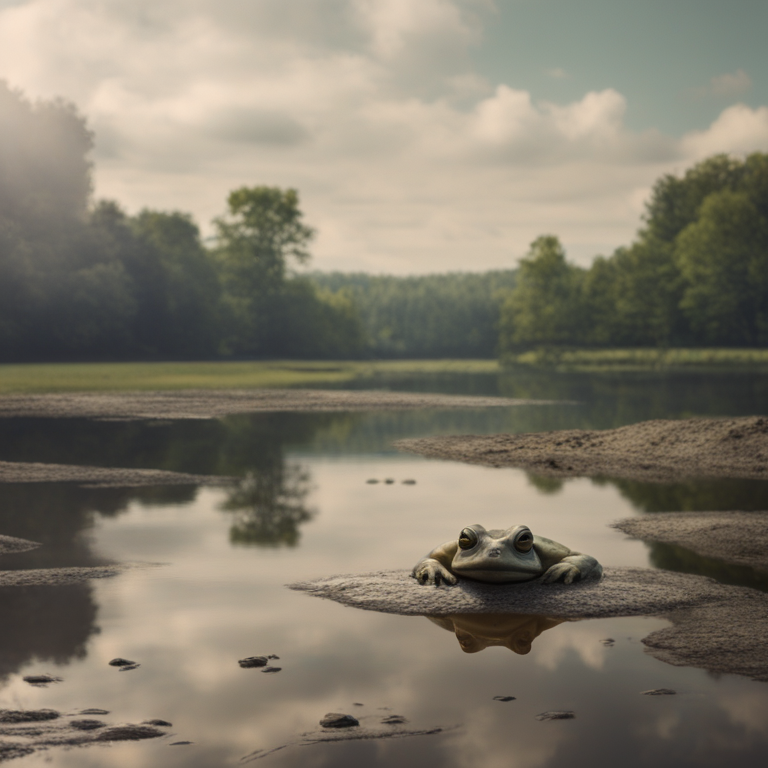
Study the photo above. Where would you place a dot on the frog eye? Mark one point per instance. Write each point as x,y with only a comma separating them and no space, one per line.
467,539
524,541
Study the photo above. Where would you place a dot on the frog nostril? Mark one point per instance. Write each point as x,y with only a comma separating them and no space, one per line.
494,553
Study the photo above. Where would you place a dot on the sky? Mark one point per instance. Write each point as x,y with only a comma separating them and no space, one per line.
422,135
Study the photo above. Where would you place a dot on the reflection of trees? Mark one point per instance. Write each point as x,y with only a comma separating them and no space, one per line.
269,506
672,557
45,624
704,494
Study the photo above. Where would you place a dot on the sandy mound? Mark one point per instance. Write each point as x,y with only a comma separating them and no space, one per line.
209,404
10,544
651,450
735,537
54,577
715,627
100,477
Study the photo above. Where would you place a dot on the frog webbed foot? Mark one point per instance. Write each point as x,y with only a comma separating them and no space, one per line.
432,572
562,571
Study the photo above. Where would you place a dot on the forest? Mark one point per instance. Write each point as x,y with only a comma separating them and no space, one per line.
81,279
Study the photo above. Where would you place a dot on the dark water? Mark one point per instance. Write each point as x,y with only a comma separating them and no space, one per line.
303,509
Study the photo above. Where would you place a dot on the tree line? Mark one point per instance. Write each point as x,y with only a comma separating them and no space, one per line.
83,280
697,274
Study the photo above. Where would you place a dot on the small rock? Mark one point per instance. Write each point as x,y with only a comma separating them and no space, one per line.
358,704
503,698
253,661
389,481
394,720
40,681
409,482
337,720
129,667
160,723
372,481
659,692
94,711
608,642
27,715
556,715
272,656
120,662
129,733
87,725
271,669
180,743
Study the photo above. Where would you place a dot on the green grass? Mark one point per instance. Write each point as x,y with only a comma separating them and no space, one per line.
105,377
617,359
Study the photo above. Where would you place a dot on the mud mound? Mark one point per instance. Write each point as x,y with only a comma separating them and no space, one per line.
659,450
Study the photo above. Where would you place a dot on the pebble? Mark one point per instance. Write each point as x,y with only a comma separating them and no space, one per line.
94,711
41,680
253,661
338,720
504,698
129,667
372,481
659,692
394,720
120,662
271,669
160,723
389,481
180,743
556,715
129,733
409,482
608,642
87,725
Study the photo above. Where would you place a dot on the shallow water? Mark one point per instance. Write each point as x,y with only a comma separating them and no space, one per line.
302,510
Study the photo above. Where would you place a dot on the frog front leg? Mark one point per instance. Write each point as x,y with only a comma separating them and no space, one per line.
435,567
575,567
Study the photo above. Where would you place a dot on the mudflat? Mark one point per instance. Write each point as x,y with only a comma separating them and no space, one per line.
654,451
211,404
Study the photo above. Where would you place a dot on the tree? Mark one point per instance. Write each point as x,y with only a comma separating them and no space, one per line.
545,308
723,257
256,240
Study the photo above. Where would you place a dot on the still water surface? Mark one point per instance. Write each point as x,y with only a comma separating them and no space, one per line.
303,510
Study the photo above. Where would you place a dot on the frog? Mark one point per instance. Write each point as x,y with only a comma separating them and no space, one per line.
504,557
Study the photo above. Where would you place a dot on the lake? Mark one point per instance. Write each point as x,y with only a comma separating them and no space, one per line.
217,559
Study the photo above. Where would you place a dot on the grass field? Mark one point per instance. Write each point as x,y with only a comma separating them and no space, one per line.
95,377
617,359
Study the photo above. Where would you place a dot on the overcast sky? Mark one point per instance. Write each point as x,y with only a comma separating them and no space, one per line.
422,135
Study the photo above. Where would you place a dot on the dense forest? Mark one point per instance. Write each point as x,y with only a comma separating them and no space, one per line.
80,279
448,316
697,274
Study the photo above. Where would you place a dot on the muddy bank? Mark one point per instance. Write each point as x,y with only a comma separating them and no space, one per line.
211,404
656,451
54,577
100,477
10,544
740,538
715,627
24,732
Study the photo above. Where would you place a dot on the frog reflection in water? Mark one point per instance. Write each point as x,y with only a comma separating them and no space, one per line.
504,557
477,631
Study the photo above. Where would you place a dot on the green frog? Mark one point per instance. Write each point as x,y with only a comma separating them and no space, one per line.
504,557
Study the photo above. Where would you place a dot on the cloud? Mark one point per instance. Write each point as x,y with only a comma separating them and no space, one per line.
405,158
730,84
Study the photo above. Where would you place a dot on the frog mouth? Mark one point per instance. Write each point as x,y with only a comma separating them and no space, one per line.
499,576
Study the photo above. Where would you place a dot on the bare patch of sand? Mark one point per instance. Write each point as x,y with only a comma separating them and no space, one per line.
210,404
656,451
714,626
100,477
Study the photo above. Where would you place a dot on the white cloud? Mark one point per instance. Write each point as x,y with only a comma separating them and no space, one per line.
406,159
